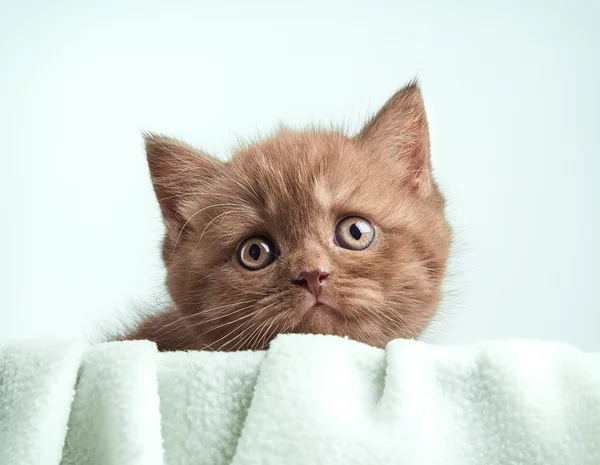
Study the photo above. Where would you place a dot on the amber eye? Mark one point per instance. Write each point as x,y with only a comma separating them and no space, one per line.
354,233
256,252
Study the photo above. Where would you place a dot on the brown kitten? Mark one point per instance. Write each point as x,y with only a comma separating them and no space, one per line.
305,232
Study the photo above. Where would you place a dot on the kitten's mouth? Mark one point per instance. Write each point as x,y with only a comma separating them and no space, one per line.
319,307
322,307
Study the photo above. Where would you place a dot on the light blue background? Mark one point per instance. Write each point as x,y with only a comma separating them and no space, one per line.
512,90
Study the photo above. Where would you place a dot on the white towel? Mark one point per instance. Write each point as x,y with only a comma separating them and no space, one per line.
308,400
36,390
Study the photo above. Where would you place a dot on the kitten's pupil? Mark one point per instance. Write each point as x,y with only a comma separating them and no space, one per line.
355,231
254,251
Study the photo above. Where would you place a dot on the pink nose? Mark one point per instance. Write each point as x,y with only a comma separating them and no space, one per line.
312,280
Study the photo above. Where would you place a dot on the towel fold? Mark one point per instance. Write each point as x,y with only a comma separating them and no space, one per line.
115,415
307,400
36,391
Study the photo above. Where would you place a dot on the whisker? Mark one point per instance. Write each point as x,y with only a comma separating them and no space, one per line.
255,195
212,344
256,335
203,232
245,331
252,194
260,310
227,323
198,212
226,315
246,342
186,317
264,339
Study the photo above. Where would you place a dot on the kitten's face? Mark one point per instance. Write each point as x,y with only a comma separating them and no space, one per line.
311,232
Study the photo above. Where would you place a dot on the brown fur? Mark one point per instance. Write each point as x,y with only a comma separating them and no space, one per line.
295,187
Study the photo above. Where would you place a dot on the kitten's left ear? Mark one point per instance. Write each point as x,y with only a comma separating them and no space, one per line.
399,130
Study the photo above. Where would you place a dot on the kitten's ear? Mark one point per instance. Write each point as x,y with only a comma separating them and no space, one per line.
400,130
178,172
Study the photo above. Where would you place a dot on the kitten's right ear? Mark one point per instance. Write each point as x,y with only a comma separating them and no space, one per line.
178,172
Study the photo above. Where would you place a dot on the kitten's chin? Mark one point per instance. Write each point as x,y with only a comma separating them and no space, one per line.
320,318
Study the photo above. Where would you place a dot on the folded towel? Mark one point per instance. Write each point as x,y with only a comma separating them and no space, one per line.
307,400
36,390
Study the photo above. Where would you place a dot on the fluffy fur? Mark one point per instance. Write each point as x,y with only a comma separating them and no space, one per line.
294,187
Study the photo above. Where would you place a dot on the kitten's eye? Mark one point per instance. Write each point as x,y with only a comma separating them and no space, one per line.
354,233
256,252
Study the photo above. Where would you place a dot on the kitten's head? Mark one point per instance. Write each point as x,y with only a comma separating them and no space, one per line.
308,232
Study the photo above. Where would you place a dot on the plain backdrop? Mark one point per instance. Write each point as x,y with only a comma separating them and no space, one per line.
512,91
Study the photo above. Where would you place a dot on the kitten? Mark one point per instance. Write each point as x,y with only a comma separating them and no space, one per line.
304,232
